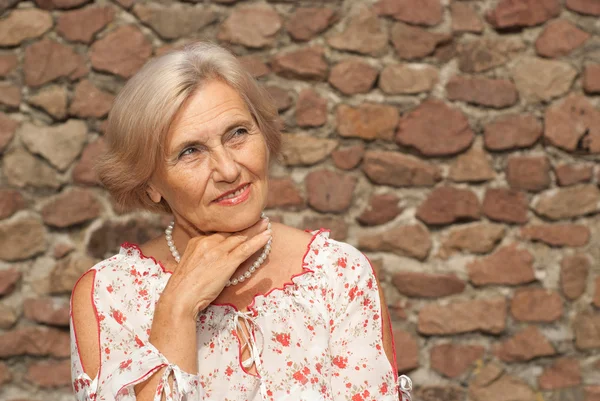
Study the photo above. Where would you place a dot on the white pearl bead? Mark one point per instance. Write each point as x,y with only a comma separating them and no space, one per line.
170,243
241,279
247,274
252,269
234,281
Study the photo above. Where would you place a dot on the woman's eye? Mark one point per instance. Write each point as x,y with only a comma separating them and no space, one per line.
240,132
187,152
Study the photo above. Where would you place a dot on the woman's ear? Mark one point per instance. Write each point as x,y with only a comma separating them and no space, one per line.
153,194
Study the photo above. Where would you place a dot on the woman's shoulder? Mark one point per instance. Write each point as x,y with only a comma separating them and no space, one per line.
126,266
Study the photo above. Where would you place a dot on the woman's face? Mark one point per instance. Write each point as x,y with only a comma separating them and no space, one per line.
212,148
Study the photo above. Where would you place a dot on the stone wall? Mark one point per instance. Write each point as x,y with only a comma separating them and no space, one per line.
455,142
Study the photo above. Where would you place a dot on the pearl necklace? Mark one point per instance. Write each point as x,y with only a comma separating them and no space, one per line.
242,277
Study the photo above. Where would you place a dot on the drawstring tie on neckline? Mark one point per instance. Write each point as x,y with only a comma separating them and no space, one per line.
249,340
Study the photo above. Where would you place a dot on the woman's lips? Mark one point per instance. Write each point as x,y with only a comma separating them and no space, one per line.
236,199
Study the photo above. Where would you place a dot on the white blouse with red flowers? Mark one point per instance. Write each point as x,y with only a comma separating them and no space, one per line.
318,338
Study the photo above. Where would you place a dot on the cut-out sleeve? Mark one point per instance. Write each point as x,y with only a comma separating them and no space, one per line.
361,369
127,358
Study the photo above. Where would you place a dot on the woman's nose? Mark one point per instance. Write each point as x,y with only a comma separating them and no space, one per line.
225,168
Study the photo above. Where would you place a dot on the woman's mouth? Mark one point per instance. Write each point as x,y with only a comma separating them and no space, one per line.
236,197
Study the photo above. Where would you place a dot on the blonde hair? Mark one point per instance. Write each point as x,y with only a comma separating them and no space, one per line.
146,106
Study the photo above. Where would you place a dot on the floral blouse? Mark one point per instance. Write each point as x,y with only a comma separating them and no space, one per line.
318,338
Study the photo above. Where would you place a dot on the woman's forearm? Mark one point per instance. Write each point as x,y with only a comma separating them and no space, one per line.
174,336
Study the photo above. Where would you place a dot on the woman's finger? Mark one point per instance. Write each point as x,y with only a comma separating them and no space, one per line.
244,250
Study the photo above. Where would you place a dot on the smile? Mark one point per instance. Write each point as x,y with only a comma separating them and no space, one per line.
235,197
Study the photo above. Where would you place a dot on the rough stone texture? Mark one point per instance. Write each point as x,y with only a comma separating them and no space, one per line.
572,235
565,372
465,18
487,53
173,22
569,202
311,109
283,193
573,125
591,78
400,54
9,279
353,76
512,132
363,33
280,97
308,63
408,240
571,174
83,24
122,51
492,383
47,311
253,27
83,172
536,305
446,205
90,101
34,341
421,285
71,207
399,170
10,95
525,345
329,191
505,205
412,42
472,166
60,145
48,374
337,225
381,209
528,173
560,38
587,330
301,149
496,93
23,169
416,130
53,100
23,24
21,238
405,79
8,63
522,13
407,351
11,201
348,157
367,121
60,4
307,22
8,127
596,299
509,265
474,238
452,360
48,60
586,7
542,80
573,275
67,271
485,315
416,12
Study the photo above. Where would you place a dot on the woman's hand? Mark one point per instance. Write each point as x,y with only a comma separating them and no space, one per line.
206,266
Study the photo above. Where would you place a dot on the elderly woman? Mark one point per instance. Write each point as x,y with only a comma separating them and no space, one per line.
225,306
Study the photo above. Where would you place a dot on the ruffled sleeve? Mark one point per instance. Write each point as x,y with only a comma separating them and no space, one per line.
361,369
124,307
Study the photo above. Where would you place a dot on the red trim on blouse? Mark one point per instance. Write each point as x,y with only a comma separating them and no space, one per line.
389,324
97,324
